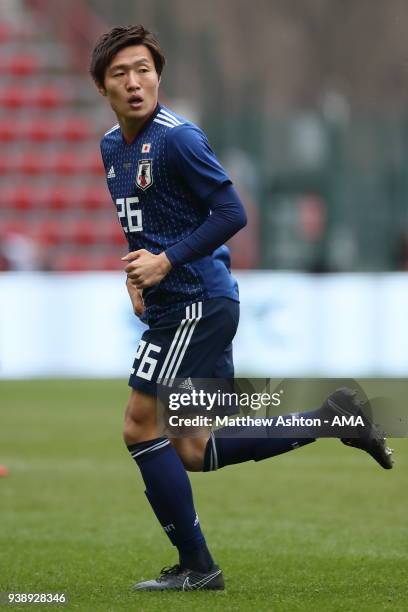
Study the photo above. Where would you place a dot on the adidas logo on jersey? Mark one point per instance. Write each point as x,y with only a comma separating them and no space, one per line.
111,173
187,384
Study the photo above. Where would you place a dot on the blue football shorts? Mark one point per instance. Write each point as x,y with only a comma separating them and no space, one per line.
193,342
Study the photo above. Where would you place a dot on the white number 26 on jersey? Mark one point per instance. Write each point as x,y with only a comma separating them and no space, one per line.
147,363
132,215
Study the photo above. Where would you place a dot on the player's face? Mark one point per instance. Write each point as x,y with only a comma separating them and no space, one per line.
132,83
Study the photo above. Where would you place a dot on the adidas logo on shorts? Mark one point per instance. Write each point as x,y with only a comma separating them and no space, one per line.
187,384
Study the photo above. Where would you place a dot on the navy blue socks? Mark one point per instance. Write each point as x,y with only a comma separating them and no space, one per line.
169,492
236,444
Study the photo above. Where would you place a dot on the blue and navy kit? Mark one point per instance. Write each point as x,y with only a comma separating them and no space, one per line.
195,343
172,195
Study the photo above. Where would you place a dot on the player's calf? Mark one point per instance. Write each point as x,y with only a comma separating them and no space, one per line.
168,489
191,451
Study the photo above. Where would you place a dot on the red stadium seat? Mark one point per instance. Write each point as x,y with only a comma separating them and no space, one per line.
6,32
67,262
8,131
63,197
83,232
49,97
26,197
9,163
44,97
69,163
23,198
112,233
93,163
52,194
50,232
8,197
44,130
19,65
12,97
117,235
14,32
66,163
39,131
15,226
75,130
60,197
32,163
108,262
95,197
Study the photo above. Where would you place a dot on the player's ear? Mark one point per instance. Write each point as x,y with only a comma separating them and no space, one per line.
101,89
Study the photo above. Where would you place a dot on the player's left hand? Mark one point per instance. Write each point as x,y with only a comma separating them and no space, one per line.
146,269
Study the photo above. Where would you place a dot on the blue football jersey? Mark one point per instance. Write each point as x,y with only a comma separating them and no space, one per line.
159,184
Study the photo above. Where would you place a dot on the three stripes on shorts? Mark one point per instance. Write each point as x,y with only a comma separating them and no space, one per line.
181,340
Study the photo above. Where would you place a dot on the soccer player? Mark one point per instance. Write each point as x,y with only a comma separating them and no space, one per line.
177,207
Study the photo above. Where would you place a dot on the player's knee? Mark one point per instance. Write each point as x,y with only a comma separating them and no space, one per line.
130,429
140,419
137,428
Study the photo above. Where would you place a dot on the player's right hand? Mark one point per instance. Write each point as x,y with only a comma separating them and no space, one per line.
136,297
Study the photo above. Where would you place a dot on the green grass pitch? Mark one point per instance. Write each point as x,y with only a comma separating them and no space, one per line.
322,528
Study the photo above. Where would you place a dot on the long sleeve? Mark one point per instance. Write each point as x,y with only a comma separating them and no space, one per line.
191,157
226,219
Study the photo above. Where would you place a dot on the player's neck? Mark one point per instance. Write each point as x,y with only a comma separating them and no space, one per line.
131,128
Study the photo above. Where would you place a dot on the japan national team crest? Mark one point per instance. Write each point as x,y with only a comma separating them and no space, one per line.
144,176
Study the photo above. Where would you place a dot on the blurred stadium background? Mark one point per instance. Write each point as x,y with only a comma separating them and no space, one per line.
305,102
306,105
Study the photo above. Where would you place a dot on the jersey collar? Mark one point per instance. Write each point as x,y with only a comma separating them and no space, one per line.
145,126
